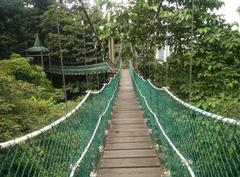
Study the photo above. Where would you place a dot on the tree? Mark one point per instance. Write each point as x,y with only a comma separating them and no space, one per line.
215,51
78,41
19,23
27,98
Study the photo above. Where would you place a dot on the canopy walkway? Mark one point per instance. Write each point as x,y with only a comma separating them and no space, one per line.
79,70
187,141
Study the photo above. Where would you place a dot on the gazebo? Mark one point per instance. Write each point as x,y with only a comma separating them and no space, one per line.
38,51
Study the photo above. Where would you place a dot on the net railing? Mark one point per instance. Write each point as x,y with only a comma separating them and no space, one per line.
189,141
70,146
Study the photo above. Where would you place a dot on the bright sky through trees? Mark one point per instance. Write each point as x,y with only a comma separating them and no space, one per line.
230,11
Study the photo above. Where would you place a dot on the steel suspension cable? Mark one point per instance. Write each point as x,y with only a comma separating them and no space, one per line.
166,56
155,18
90,22
62,67
191,54
85,55
152,27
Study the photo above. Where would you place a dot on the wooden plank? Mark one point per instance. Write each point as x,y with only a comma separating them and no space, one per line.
131,172
128,139
116,126
129,114
128,108
129,162
137,115
127,134
133,106
127,129
120,122
129,153
127,117
126,120
126,146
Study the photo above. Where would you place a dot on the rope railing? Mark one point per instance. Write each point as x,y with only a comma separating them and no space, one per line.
189,141
203,112
184,161
55,149
93,135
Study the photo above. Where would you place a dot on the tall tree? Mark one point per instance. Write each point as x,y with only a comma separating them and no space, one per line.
19,23
215,50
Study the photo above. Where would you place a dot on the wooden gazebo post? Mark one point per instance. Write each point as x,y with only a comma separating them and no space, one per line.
42,59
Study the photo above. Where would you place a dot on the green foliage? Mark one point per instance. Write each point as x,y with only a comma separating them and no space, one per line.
27,99
78,42
215,52
19,23
215,67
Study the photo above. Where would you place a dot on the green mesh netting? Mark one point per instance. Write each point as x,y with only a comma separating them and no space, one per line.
55,152
79,70
209,143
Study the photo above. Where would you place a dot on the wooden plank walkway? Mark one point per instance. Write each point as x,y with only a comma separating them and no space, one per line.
129,150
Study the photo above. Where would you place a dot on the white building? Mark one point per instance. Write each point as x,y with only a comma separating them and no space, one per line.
162,54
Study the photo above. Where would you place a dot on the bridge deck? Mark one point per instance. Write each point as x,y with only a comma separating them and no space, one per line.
129,150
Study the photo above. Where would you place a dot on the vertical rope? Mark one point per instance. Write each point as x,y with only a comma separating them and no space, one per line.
104,77
85,54
166,79
62,68
191,55
92,27
95,46
155,73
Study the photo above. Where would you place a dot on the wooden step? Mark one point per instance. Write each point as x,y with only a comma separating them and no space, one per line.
129,163
127,146
129,153
127,134
131,172
128,139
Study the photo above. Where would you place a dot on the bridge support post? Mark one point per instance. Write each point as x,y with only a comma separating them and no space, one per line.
42,63
135,56
49,61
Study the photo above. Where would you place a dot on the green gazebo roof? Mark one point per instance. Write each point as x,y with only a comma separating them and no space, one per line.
37,48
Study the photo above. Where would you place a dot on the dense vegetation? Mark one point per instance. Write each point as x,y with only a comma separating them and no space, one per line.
19,23
216,47
27,98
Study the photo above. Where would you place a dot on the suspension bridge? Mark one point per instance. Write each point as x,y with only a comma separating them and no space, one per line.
110,133
127,128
